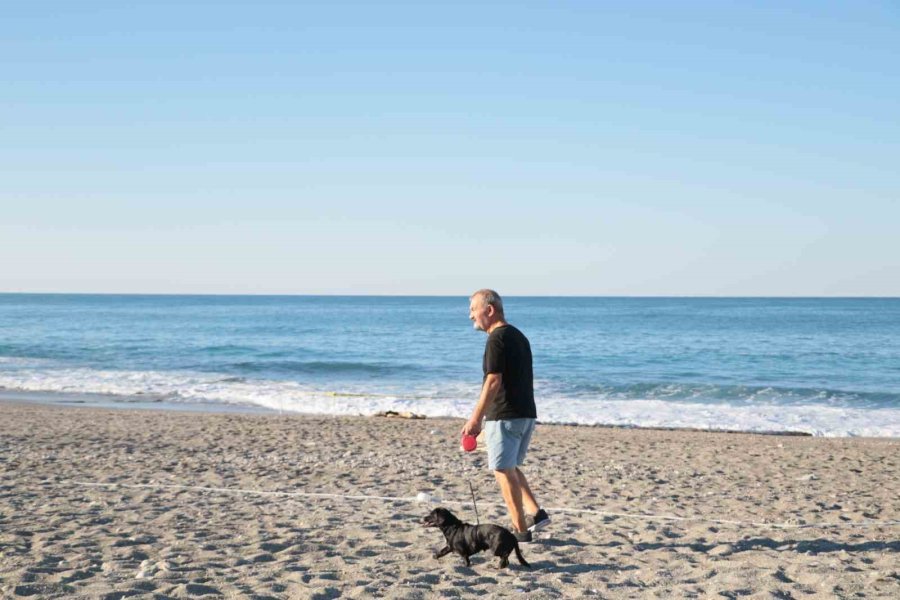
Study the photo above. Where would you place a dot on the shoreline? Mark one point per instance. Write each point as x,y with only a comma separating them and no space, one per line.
117,402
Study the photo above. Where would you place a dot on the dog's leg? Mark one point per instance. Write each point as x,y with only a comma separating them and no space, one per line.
466,558
504,562
443,552
520,557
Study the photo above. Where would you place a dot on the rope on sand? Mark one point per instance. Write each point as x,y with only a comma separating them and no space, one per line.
413,499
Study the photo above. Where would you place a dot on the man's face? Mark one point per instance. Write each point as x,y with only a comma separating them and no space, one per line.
480,313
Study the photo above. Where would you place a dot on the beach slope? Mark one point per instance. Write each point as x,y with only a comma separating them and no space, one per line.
101,503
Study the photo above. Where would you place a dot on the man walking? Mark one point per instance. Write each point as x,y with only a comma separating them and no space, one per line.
507,406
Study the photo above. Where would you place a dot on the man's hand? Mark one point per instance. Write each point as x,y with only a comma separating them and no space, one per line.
471,427
492,384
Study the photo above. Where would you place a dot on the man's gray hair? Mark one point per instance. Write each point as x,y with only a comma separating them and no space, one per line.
490,298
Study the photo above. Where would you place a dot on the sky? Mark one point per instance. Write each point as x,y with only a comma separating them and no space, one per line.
539,148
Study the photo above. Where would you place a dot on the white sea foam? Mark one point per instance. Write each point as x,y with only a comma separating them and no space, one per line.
816,420
457,400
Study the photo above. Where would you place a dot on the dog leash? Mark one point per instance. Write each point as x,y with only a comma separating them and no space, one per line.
475,506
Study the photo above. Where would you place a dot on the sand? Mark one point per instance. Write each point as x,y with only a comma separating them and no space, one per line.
99,503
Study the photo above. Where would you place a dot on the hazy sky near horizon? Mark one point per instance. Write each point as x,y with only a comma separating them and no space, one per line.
585,148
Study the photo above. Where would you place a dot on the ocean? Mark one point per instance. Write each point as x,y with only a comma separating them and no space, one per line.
824,366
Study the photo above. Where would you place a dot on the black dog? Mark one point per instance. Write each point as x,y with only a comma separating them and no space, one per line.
466,540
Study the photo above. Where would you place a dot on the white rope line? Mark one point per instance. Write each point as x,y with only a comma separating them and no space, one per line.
647,517
198,488
413,499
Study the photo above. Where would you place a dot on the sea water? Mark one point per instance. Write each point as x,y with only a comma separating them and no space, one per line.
822,366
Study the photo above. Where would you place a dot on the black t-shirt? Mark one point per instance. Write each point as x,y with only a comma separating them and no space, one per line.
508,352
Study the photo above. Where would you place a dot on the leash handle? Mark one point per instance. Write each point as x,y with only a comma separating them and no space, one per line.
475,506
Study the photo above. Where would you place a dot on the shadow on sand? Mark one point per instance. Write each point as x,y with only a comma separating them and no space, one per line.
545,566
819,546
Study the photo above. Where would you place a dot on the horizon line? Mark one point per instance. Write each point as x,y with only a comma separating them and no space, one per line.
332,295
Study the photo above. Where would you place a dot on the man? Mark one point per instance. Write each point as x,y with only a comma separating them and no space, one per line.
507,407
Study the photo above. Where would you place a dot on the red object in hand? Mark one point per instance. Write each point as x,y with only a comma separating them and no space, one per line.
469,443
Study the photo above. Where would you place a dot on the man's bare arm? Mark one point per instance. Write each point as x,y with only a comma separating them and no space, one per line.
492,384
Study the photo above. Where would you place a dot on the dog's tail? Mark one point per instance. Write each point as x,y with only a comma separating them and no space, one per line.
519,556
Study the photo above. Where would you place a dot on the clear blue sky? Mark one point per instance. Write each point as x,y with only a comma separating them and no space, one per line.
591,148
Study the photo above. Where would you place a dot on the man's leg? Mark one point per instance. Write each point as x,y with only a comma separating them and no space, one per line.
528,502
512,495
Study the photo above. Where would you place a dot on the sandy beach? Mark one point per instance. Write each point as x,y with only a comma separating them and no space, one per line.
98,503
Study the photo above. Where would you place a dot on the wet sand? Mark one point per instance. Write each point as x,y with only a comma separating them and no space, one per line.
112,503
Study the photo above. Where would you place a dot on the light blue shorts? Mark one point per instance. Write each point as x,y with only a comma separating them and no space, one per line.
507,442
